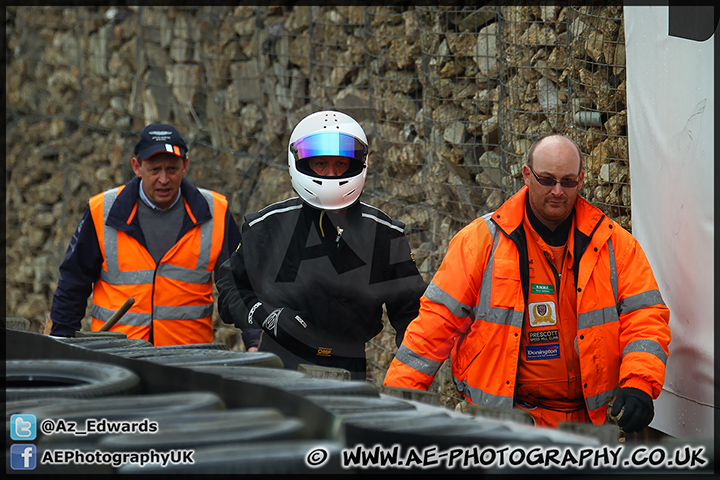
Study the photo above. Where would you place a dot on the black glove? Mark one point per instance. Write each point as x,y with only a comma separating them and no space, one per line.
639,410
284,321
288,327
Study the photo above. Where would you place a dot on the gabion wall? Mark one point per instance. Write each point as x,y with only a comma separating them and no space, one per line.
451,98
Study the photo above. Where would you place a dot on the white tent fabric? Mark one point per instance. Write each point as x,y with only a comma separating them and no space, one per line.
670,100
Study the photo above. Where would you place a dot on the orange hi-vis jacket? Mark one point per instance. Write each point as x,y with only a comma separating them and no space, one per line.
173,298
475,307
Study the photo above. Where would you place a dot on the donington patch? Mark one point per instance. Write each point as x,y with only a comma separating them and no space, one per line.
541,336
542,314
542,352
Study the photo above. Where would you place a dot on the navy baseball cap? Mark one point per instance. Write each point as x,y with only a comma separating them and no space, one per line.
157,138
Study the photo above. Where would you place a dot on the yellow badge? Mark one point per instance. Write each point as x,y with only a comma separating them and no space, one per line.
542,314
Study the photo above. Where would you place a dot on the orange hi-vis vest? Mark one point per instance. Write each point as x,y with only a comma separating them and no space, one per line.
173,298
475,306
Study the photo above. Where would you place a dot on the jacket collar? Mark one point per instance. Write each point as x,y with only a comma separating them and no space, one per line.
509,215
122,215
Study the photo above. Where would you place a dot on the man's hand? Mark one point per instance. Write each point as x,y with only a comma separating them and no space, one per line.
635,408
48,326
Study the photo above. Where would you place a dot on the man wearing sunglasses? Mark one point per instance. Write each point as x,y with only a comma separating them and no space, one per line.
546,305
315,271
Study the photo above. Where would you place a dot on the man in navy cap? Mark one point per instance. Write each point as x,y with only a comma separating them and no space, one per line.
158,239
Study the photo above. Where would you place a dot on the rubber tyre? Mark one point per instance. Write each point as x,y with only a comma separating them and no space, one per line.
27,405
293,381
133,406
218,358
89,339
99,343
388,420
152,351
169,421
26,379
192,346
250,372
17,323
191,436
353,404
127,407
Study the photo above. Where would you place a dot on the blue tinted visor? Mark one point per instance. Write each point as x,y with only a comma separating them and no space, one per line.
329,144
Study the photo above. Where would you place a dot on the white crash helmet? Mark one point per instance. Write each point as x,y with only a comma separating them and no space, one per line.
328,133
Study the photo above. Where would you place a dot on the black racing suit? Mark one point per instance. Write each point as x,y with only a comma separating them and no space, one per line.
332,270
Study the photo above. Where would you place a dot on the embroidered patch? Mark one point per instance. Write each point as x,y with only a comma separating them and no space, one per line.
543,289
270,323
542,352
324,351
252,311
543,336
542,314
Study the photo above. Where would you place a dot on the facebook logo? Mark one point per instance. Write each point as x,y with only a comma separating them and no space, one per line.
23,427
23,456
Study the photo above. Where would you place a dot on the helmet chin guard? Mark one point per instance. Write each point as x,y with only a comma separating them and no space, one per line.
328,133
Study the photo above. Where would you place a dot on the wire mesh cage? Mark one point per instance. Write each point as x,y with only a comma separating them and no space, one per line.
534,98
451,98
597,105
564,70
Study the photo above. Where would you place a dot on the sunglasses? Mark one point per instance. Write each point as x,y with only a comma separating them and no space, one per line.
550,181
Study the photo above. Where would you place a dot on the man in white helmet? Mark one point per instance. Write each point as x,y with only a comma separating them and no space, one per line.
314,271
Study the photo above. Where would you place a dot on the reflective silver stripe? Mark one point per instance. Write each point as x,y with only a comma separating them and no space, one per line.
273,212
418,362
134,277
601,399
648,346
130,318
182,274
505,316
159,313
182,313
626,305
109,233
483,306
114,276
200,275
439,296
383,222
206,232
138,277
640,301
613,270
480,397
597,317
484,310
